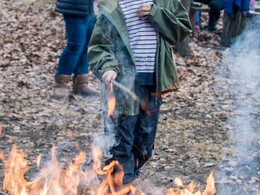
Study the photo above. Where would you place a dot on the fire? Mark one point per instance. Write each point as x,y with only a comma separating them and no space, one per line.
54,179
21,16
178,182
210,185
114,181
189,190
38,160
111,102
15,168
0,128
2,156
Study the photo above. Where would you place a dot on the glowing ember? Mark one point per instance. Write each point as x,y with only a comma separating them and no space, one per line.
111,102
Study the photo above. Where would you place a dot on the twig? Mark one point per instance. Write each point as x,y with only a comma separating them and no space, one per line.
128,91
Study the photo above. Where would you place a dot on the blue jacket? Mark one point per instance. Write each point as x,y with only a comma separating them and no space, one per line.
244,5
75,7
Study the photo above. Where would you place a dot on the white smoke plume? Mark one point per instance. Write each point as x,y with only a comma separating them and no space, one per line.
239,173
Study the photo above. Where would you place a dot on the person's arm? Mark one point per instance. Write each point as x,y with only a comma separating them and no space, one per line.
173,23
100,54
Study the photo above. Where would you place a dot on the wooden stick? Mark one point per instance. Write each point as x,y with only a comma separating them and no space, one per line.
128,91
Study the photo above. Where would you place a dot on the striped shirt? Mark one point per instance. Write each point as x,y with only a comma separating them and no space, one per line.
143,41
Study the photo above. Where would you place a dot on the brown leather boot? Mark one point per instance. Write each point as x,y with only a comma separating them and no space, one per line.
80,86
60,87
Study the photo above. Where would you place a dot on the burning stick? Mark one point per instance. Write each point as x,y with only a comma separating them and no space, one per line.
128,91
142,103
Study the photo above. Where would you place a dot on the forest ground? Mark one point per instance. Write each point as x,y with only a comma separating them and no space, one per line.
192,137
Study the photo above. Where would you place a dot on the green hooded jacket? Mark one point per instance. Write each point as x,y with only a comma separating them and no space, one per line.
109,49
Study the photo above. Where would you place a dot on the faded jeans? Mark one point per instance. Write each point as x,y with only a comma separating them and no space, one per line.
74,57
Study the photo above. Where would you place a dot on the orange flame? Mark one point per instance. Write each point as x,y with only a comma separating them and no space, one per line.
22,15
111,102
210,185
53,179
15,168
97,160
38,160
178,182
0,128
2,156
189,190
114,181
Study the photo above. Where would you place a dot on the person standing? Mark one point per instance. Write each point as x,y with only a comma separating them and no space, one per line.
131,43
79,21
214,14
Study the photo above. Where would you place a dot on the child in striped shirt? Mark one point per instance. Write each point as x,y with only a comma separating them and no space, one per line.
131,43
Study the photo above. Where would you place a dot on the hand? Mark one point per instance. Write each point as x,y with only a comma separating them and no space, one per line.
108,76
144,10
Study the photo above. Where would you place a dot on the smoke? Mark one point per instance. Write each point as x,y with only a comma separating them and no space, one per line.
240,171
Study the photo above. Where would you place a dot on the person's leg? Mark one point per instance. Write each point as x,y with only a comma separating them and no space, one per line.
214,15
82,65
146,128
76,34
81,77
122,149
211,20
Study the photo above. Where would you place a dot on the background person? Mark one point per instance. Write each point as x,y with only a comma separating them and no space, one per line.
215,7
79,20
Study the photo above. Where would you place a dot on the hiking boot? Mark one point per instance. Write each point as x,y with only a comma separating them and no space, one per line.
80,86
61,85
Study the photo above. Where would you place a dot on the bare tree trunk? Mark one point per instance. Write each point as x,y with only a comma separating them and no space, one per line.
183,47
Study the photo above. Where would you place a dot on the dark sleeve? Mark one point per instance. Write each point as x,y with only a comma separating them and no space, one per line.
101,57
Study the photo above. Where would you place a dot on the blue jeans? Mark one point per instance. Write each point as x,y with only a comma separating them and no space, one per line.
134,135
74,57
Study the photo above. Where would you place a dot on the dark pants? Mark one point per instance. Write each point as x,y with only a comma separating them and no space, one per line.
214,15
134,136
74,57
